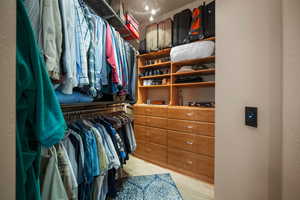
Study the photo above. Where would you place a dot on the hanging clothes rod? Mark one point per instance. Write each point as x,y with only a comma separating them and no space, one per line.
81,114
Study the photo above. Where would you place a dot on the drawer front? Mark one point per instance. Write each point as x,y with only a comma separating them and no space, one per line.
211,116
205,115
158,136
198,128
193,143
157,122
182,160
182,113
141,133
140,148
139,110
140,119
182,141
205,145
182,125
197,164
157,153
205,166
207,129
156,111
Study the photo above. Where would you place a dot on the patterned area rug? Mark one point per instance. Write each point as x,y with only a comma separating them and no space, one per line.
153,187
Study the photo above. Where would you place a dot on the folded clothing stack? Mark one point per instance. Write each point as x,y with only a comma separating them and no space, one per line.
189,79
76,97
196,67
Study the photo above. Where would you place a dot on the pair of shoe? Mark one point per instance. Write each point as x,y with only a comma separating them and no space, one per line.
147,82
152,82
152,72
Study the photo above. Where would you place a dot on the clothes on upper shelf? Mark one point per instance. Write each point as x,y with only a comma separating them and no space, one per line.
84,164
189,79
82,50
76,97
39,120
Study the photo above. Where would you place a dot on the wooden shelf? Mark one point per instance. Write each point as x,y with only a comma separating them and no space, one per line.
88,106
194,61
174,88
163,64
156,76
161,53
204,71
103,9
155,86
197,84
166,52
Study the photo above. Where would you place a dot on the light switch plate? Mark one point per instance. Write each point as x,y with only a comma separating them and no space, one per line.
251,116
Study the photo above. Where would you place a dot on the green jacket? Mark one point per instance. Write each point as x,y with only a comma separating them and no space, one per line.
39,117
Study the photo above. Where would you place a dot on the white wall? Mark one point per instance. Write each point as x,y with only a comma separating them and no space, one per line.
7,88
249,73
291,100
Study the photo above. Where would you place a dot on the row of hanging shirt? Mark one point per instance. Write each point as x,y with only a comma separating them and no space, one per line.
84,164
82,50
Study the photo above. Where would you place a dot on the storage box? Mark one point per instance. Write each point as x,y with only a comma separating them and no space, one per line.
134,33
131,20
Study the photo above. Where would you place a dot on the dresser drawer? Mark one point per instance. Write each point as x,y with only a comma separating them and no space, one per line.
182,113
158,136
195,163
140,148
205,145
139,110
193,143
141,133
199,128
206,129
182,160
156,111
182,125
182,141
205,115
140,119
205,166
157,122
157,153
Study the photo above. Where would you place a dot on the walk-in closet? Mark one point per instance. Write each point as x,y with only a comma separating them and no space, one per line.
149,100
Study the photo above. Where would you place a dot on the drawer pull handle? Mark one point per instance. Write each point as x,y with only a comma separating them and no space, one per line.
190,162
189,114
189,127
148,150
189,142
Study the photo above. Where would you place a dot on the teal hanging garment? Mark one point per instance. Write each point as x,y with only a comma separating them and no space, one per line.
39,117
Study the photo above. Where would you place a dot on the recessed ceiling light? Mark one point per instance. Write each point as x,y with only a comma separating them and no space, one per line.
151,18
153,12
146,7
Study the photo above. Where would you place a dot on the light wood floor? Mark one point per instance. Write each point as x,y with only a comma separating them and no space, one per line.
190,188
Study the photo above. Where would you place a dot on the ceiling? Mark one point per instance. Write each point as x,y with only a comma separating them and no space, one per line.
137,7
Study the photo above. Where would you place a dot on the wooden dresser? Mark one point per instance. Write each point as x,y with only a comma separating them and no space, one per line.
176,137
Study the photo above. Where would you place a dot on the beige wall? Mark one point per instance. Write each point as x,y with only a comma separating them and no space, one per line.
249,73
7,88
291,100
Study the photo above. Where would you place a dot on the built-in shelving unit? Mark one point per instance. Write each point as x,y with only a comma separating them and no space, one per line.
103,9
172,76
